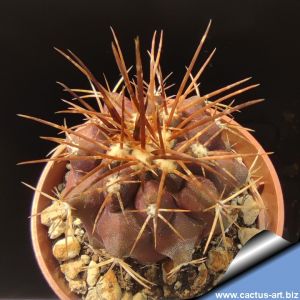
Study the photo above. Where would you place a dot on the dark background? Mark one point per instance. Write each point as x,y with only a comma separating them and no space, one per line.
258,38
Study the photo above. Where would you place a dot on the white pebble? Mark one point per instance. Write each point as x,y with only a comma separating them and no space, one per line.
127,296
79,232
72,269
93,273
66,248
139,296
85,258
56,210
250,210
77,222
245,234
78,286
56,229
107,288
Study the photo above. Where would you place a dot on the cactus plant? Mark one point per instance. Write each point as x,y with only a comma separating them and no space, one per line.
151,175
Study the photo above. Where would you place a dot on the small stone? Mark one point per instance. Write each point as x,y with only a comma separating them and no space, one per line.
228,243
56,210
79,232
167,291
186,294
196,287
139,296
78,286
202,277
85,258
107,288
250,210
151,273
56,229
245,234
240,200
154,293
218,259
66,248
77,222
73,268
92,294
93,273
177,285
127,296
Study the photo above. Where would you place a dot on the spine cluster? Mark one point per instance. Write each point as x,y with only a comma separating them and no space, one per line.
152,175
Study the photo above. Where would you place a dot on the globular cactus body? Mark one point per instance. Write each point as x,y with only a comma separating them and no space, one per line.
136,194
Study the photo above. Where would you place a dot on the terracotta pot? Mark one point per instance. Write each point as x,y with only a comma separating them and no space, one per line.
271,218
